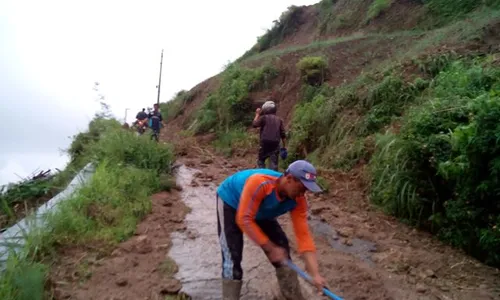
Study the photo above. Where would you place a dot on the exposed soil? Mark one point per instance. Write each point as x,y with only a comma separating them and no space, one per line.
137,269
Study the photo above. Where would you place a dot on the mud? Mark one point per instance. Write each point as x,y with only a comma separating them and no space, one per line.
196,251
359,248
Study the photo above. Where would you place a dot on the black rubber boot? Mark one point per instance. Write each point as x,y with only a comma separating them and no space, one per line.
231,289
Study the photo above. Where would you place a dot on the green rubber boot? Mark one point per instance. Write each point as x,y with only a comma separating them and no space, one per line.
231,289
289,284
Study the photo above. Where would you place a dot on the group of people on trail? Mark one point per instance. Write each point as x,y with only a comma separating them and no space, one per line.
249,202
152,120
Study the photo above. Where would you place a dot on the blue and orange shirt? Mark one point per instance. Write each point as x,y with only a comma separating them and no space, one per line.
253,194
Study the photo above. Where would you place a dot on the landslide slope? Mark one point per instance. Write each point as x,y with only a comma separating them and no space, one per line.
401,93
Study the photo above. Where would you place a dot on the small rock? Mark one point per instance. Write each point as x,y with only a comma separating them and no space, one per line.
207,161
430,273
170,286
143,245
191,235
421,288
178,188
317,210
116,252
121,282
347,242
167,204
176,218
444,288
345,232
194,183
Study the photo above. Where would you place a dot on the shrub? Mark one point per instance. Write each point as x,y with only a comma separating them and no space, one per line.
122,147
441,170
377,7
229,105
385,101
234,140
313,69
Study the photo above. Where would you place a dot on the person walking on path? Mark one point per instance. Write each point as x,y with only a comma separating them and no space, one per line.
271,132
155,122
249,202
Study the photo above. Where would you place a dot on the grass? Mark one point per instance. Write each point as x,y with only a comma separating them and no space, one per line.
104,212
169,267
233,141
377,7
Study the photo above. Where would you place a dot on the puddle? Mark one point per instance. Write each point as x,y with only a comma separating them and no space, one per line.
197,253
361,249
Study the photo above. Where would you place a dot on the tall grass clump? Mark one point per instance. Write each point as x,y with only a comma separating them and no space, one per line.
443,12
230,105
377,7
441,171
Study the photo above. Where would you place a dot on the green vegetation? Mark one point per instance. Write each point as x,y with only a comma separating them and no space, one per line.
229,105
102,213
286,25
437,164
445,11
377,7
235,139
442,170
175,107
313,69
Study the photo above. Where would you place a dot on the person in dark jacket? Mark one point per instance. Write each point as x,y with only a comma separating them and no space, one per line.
155,122
272,131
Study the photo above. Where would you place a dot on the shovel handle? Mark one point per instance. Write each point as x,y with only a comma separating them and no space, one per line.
308,278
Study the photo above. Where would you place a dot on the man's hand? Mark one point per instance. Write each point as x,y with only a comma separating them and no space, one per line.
257,111
274,253
319,282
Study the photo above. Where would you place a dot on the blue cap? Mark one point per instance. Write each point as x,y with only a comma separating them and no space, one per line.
306,173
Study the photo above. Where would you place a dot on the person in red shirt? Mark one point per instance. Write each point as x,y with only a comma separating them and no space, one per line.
248,202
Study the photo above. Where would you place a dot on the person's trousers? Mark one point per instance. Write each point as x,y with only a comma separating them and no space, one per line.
155,134
231,239
268,149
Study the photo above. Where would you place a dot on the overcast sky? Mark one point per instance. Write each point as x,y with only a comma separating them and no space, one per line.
52,52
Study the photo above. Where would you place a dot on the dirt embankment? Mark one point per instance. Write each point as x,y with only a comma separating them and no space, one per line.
138,268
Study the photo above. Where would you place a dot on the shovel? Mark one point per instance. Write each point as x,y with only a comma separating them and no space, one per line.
308,278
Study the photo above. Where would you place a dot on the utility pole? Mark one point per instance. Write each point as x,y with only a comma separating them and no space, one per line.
159,82
125,119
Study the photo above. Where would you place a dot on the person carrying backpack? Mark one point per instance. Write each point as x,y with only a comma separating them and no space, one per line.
271,132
